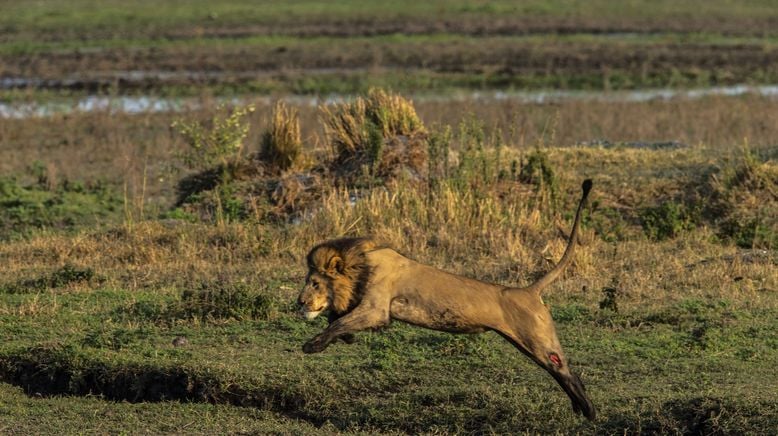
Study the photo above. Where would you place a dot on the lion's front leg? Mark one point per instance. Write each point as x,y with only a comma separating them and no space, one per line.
348,338
363,317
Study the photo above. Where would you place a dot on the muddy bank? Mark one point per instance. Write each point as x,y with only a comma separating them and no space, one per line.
473,62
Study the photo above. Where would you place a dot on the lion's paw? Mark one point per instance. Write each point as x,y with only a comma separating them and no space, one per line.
313,346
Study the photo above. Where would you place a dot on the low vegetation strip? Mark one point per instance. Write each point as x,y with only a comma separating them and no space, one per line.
55,20
333,66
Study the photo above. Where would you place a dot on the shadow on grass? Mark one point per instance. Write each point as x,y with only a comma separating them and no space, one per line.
62,370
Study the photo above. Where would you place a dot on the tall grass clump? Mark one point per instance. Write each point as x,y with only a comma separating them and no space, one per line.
351,127
282,143
380,131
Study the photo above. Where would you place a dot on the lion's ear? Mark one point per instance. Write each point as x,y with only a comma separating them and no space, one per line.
335,265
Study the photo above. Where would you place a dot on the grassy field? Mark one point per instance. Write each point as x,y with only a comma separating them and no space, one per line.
669,312
150,263
305,47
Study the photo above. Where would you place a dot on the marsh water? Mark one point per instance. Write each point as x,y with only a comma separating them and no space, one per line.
144,104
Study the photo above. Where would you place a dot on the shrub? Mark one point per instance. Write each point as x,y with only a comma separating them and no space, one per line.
750,233
60,278
537,171
219,143
743,205
665,221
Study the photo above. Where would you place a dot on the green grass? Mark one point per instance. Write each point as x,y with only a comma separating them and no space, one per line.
87,15
687,368
23,414
310,47
24,208
398,40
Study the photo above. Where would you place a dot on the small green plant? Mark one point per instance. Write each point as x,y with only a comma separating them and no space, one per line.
113,339
70,274
666,221
281,144
473,161
536,170
438,153
219,143
609,299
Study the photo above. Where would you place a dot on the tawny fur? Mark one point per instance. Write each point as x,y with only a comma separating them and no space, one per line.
365,286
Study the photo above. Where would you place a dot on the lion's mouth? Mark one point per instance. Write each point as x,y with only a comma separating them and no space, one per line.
311,314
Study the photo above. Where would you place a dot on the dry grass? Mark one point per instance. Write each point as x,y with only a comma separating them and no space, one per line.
282,143
349,125
118,148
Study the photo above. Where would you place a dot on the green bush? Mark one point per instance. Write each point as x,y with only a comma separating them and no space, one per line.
666,221
60,278
217,301
218,143
536,170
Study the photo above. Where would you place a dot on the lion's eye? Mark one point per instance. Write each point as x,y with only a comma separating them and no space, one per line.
315,285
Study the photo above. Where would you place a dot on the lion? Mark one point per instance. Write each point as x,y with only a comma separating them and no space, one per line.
364,286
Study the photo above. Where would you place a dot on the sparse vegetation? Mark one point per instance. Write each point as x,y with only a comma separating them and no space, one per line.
45,204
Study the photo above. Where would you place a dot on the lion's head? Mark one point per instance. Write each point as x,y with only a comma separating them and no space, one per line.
338,274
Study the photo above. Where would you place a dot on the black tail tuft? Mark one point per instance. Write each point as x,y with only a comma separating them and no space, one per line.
586,186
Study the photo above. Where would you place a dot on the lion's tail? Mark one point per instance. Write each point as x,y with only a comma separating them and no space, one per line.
552,275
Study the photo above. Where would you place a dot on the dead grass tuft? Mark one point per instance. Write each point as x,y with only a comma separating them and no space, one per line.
380,133
282,143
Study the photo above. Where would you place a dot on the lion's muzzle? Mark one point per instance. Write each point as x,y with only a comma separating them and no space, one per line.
309,315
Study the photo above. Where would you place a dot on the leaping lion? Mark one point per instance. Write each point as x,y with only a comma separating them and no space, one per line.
365,286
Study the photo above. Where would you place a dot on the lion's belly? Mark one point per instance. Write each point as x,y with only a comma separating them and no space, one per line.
434,315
